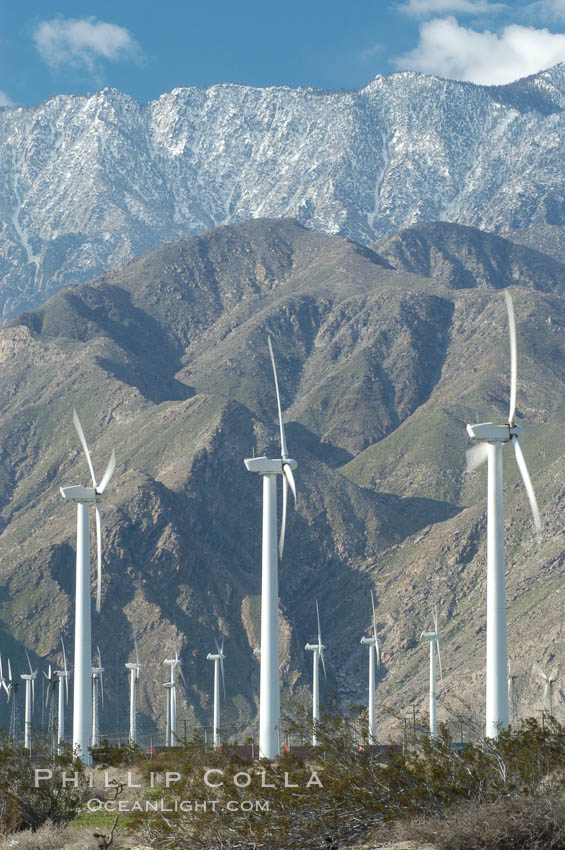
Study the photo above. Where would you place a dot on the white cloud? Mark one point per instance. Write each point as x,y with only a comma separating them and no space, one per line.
423,8
83,42
5,100
450,50
552,9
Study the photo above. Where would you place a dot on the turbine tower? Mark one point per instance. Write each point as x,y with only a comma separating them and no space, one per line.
318,655
269,696
63,696
134,667
218,659
171,686
97,698
374,661
548,687
490,439
29,679
85,497
433,638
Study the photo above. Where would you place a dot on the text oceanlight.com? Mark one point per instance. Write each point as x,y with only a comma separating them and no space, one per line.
163,806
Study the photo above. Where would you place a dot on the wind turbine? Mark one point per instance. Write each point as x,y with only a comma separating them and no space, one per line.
548,689
433,638
134,667
490,439
29,679
318,655
218,659
171,686
97,691
85,497
50,705
11,687
269,696
63,696
374,660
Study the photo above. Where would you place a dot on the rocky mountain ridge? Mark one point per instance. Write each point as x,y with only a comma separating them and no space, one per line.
87,183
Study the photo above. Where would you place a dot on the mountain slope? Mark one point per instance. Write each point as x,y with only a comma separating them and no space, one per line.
166,360
87,183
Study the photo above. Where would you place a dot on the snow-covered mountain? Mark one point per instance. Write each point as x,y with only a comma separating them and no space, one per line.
87,183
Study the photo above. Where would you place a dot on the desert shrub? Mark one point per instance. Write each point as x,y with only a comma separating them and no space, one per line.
24,805
521,822
364,788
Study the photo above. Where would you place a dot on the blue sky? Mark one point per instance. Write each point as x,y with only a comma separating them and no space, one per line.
147,48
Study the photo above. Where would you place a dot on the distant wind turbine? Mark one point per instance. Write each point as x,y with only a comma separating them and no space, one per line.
374,660
85,497
63,696
318,655
549,681
490,439
269,697
29,679
433,638
134,667
97,698
218,659
11,687
171,686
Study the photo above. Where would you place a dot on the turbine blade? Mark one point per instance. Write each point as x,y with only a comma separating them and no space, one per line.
283,517
439,657
374,615
513,355
435,620
10,671
378,653
539,671
323,663
64,655
475,456
109,471
29,662
80,432
284,451
319,629
528,485
98,514
32,694
99,656
222,673
136,653
102,689
288,474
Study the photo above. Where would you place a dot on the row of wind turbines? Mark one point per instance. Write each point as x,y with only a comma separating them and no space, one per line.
489,439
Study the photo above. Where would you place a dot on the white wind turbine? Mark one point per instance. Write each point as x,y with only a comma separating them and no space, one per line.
85,497
374,661
97,698
548,687
63,696
171,686
29,679
318,655
11,687
490,439
134,667
433,638
50,706
269,696
218,659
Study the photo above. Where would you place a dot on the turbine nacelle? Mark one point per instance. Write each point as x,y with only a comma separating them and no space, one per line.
214,657
79,494
266,466
315,647
429,635
369,641
488,432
